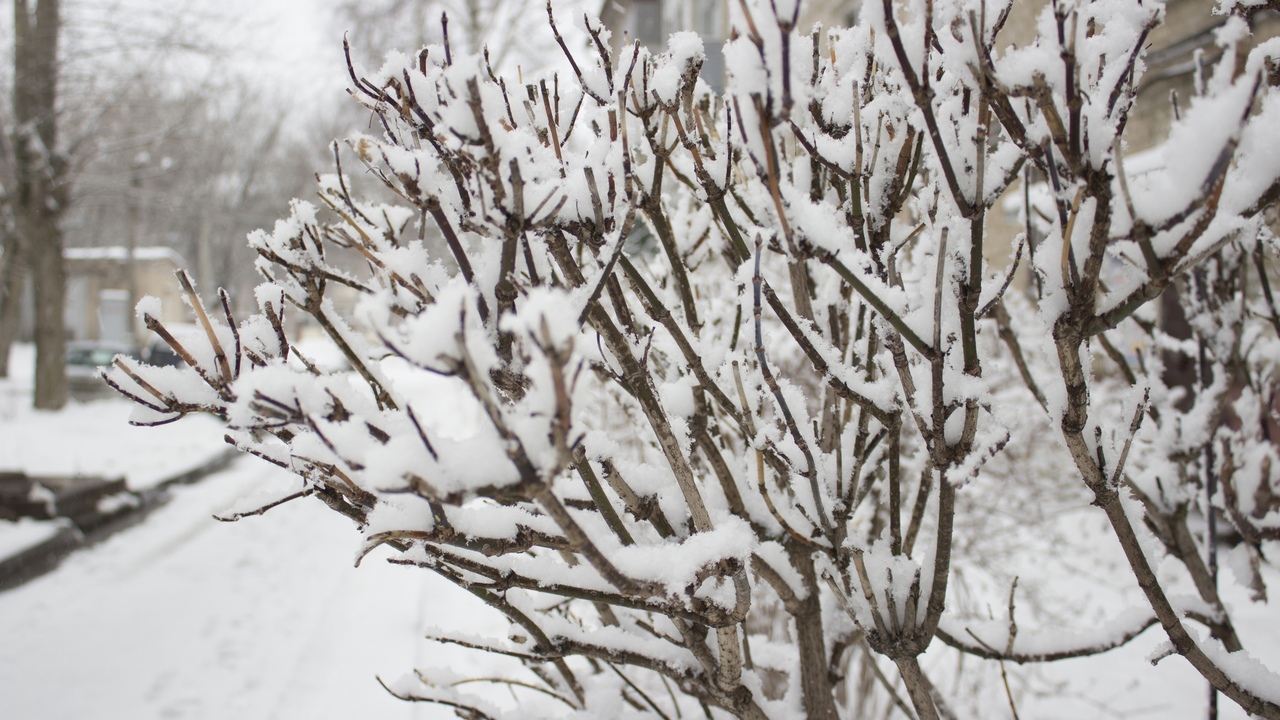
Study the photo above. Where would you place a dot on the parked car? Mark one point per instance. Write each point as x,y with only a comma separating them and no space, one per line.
156,350
159,353
84,358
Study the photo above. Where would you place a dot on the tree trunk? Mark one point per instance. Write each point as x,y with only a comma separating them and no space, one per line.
49,281
10,298
42,191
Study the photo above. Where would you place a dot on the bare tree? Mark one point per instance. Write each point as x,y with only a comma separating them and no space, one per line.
496,27
199,166
143,83
42,188
12,275
728,473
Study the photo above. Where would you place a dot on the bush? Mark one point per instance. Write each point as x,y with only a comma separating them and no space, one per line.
748,389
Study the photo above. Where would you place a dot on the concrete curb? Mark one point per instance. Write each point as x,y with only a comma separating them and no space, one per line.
39,559
45,556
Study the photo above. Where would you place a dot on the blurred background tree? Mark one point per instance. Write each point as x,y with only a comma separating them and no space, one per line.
132,126
165,131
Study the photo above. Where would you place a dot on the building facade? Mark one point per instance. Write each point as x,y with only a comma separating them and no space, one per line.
99,306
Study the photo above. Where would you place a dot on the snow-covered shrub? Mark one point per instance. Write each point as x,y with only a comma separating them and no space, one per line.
713,396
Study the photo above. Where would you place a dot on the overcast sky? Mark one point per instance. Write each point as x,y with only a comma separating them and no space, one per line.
297,41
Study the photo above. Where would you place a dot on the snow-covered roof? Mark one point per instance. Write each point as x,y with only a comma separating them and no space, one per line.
120,253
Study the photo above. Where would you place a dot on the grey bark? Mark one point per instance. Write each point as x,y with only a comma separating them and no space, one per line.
11,277
41,194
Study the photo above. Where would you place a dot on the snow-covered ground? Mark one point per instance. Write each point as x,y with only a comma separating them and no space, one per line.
94,437
91,438
186,617
18,536
182,616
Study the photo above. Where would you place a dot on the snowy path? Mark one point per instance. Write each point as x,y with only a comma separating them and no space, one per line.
185,617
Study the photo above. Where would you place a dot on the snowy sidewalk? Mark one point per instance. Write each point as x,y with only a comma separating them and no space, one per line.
83,443
95,438
263,619
181,616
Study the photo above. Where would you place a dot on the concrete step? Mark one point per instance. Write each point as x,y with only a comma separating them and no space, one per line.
82,499
93,508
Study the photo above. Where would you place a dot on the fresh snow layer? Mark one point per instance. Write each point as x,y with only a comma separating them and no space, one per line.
95,438
26,533
186,617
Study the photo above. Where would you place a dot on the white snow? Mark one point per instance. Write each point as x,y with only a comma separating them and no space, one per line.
186,617
16,536
104,444
95,438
